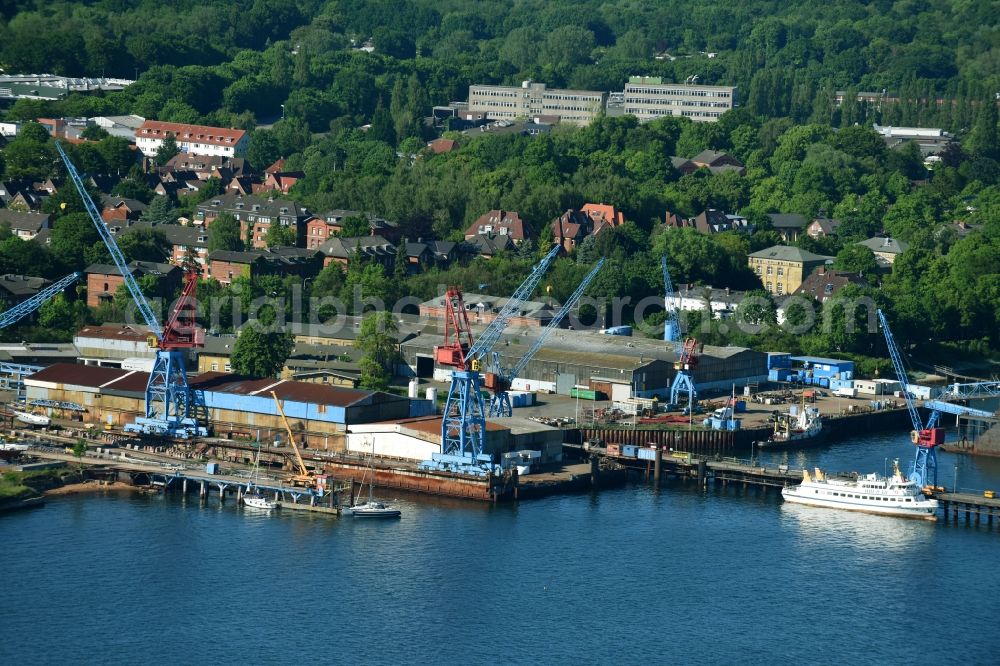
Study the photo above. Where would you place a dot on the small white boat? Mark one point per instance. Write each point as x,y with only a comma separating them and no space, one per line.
893,496
254,500
32,419
371,508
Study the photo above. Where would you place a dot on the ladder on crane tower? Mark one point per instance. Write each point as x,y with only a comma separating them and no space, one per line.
686,350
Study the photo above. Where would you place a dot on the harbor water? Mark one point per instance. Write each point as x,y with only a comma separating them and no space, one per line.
630,575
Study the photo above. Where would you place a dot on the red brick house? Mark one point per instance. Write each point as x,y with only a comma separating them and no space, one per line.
573,227
103,280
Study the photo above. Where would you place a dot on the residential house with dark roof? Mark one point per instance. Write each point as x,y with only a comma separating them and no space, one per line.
255,215
120,209
227,265
822,227
824,284
321,227
187,243
370,248
788,225
17,288
783,268
24,225
103,280
500,222
715,162
489,245
886,249
711,221
281,181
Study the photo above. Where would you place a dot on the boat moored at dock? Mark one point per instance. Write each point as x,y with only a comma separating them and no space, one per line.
801,425
892,496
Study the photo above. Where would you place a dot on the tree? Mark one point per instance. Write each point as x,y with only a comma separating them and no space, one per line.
167,150
756,311
159,211
261,353
144,244
857,259
133,189
80,450
280,235
225,234
94,133
354,226
377,342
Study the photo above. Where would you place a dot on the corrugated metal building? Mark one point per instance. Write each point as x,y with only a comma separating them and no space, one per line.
236,407
585,357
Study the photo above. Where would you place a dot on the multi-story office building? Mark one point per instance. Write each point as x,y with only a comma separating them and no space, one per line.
534,99
648,97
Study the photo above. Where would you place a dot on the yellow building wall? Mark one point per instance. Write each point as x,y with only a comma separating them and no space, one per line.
206,362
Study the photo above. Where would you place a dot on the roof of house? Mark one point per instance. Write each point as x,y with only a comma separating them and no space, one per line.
828,225
133,205
20,221
710,157
234,202
788,253
135,267
603,214
344,248
114,332
235,256
787,220
825,284
489,244
495,220
886,245
216,136
178,234
22,285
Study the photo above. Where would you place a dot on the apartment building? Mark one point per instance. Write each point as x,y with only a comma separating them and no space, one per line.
533,99
193,139
648,97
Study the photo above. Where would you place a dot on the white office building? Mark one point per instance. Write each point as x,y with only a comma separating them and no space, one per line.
648,98
532,99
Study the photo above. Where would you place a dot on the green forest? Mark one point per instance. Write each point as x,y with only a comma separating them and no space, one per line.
296,67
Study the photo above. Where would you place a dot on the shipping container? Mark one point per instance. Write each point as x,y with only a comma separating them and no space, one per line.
614,450
586,394
646,453
212,468
630,451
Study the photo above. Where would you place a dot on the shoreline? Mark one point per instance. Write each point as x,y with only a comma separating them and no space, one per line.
90,487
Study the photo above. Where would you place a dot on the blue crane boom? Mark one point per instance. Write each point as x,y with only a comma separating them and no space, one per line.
168,397
29,305
500,403
926,438
671,328
463,424
489,337
116,254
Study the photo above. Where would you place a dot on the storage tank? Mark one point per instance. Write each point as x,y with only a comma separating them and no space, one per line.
431,394
413,388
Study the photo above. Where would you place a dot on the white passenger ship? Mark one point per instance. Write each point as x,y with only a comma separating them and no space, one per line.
895,496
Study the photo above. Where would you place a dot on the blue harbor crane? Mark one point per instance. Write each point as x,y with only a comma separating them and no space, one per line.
686,350
463,425
168,399
926,439
501,381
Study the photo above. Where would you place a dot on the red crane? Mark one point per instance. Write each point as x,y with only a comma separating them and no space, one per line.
457,332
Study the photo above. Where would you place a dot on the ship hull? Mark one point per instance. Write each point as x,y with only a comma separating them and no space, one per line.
926,512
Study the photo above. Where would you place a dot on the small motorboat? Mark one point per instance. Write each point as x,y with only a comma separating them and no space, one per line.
255,500
32,419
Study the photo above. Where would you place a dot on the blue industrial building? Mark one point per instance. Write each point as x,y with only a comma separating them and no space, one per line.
810,370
